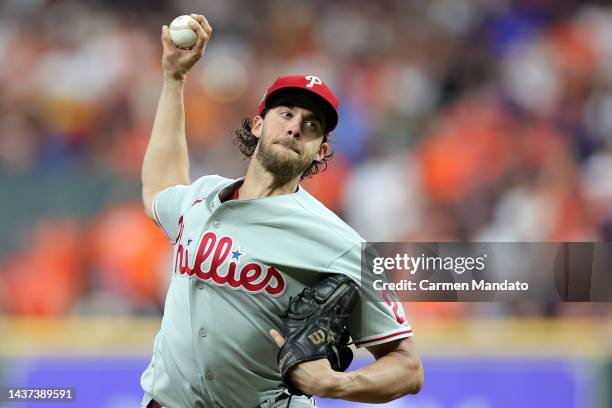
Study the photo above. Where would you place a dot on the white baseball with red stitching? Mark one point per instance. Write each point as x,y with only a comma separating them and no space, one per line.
182,35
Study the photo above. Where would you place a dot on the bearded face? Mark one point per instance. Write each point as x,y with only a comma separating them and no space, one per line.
282,159
290,139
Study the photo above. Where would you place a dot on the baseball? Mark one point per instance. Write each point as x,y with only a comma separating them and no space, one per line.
182,35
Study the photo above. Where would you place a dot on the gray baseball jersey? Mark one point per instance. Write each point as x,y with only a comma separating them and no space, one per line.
235,265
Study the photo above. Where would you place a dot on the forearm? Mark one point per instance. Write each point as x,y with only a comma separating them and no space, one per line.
388,378
166,160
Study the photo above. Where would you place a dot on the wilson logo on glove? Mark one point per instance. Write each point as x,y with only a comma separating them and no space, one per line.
283,360
317,337
316,326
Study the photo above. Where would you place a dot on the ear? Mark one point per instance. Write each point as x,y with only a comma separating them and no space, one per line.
323,150
257,126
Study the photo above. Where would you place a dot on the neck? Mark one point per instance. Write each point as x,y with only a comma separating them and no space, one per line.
261,183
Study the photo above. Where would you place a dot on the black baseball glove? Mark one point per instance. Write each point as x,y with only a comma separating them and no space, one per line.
316,326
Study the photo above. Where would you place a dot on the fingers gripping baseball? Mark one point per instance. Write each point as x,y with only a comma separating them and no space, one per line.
177,62
202,29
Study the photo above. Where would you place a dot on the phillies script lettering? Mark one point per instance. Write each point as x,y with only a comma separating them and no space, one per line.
252,277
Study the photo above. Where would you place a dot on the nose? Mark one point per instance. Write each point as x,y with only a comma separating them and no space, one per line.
293,127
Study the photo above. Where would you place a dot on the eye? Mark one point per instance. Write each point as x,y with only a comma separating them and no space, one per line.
312,125
286,114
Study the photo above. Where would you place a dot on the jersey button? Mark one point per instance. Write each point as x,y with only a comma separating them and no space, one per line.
209,376
203,332
199,285
217,224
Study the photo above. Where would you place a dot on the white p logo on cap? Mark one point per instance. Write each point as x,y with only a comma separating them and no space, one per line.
314,80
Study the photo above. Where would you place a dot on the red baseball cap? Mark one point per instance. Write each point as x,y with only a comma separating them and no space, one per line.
309,83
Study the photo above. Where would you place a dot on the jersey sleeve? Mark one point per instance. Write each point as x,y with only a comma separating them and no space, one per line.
171,203
167,208
378,317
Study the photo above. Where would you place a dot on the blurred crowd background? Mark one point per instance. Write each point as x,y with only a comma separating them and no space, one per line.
472,120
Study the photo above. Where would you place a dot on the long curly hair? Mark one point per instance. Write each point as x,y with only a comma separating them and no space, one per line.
247,142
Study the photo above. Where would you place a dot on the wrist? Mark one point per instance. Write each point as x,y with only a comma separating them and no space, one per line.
335,386
175,79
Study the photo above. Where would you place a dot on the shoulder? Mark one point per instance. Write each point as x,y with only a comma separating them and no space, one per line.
326,220
210,182
182,196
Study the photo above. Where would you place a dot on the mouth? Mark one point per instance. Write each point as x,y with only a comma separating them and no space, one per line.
289,146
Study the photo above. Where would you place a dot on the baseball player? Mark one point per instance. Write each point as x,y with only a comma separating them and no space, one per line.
243,247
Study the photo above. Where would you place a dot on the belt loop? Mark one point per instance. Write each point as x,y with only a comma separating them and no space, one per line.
284,394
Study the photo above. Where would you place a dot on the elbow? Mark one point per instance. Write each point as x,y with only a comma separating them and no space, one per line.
417,378
413,379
